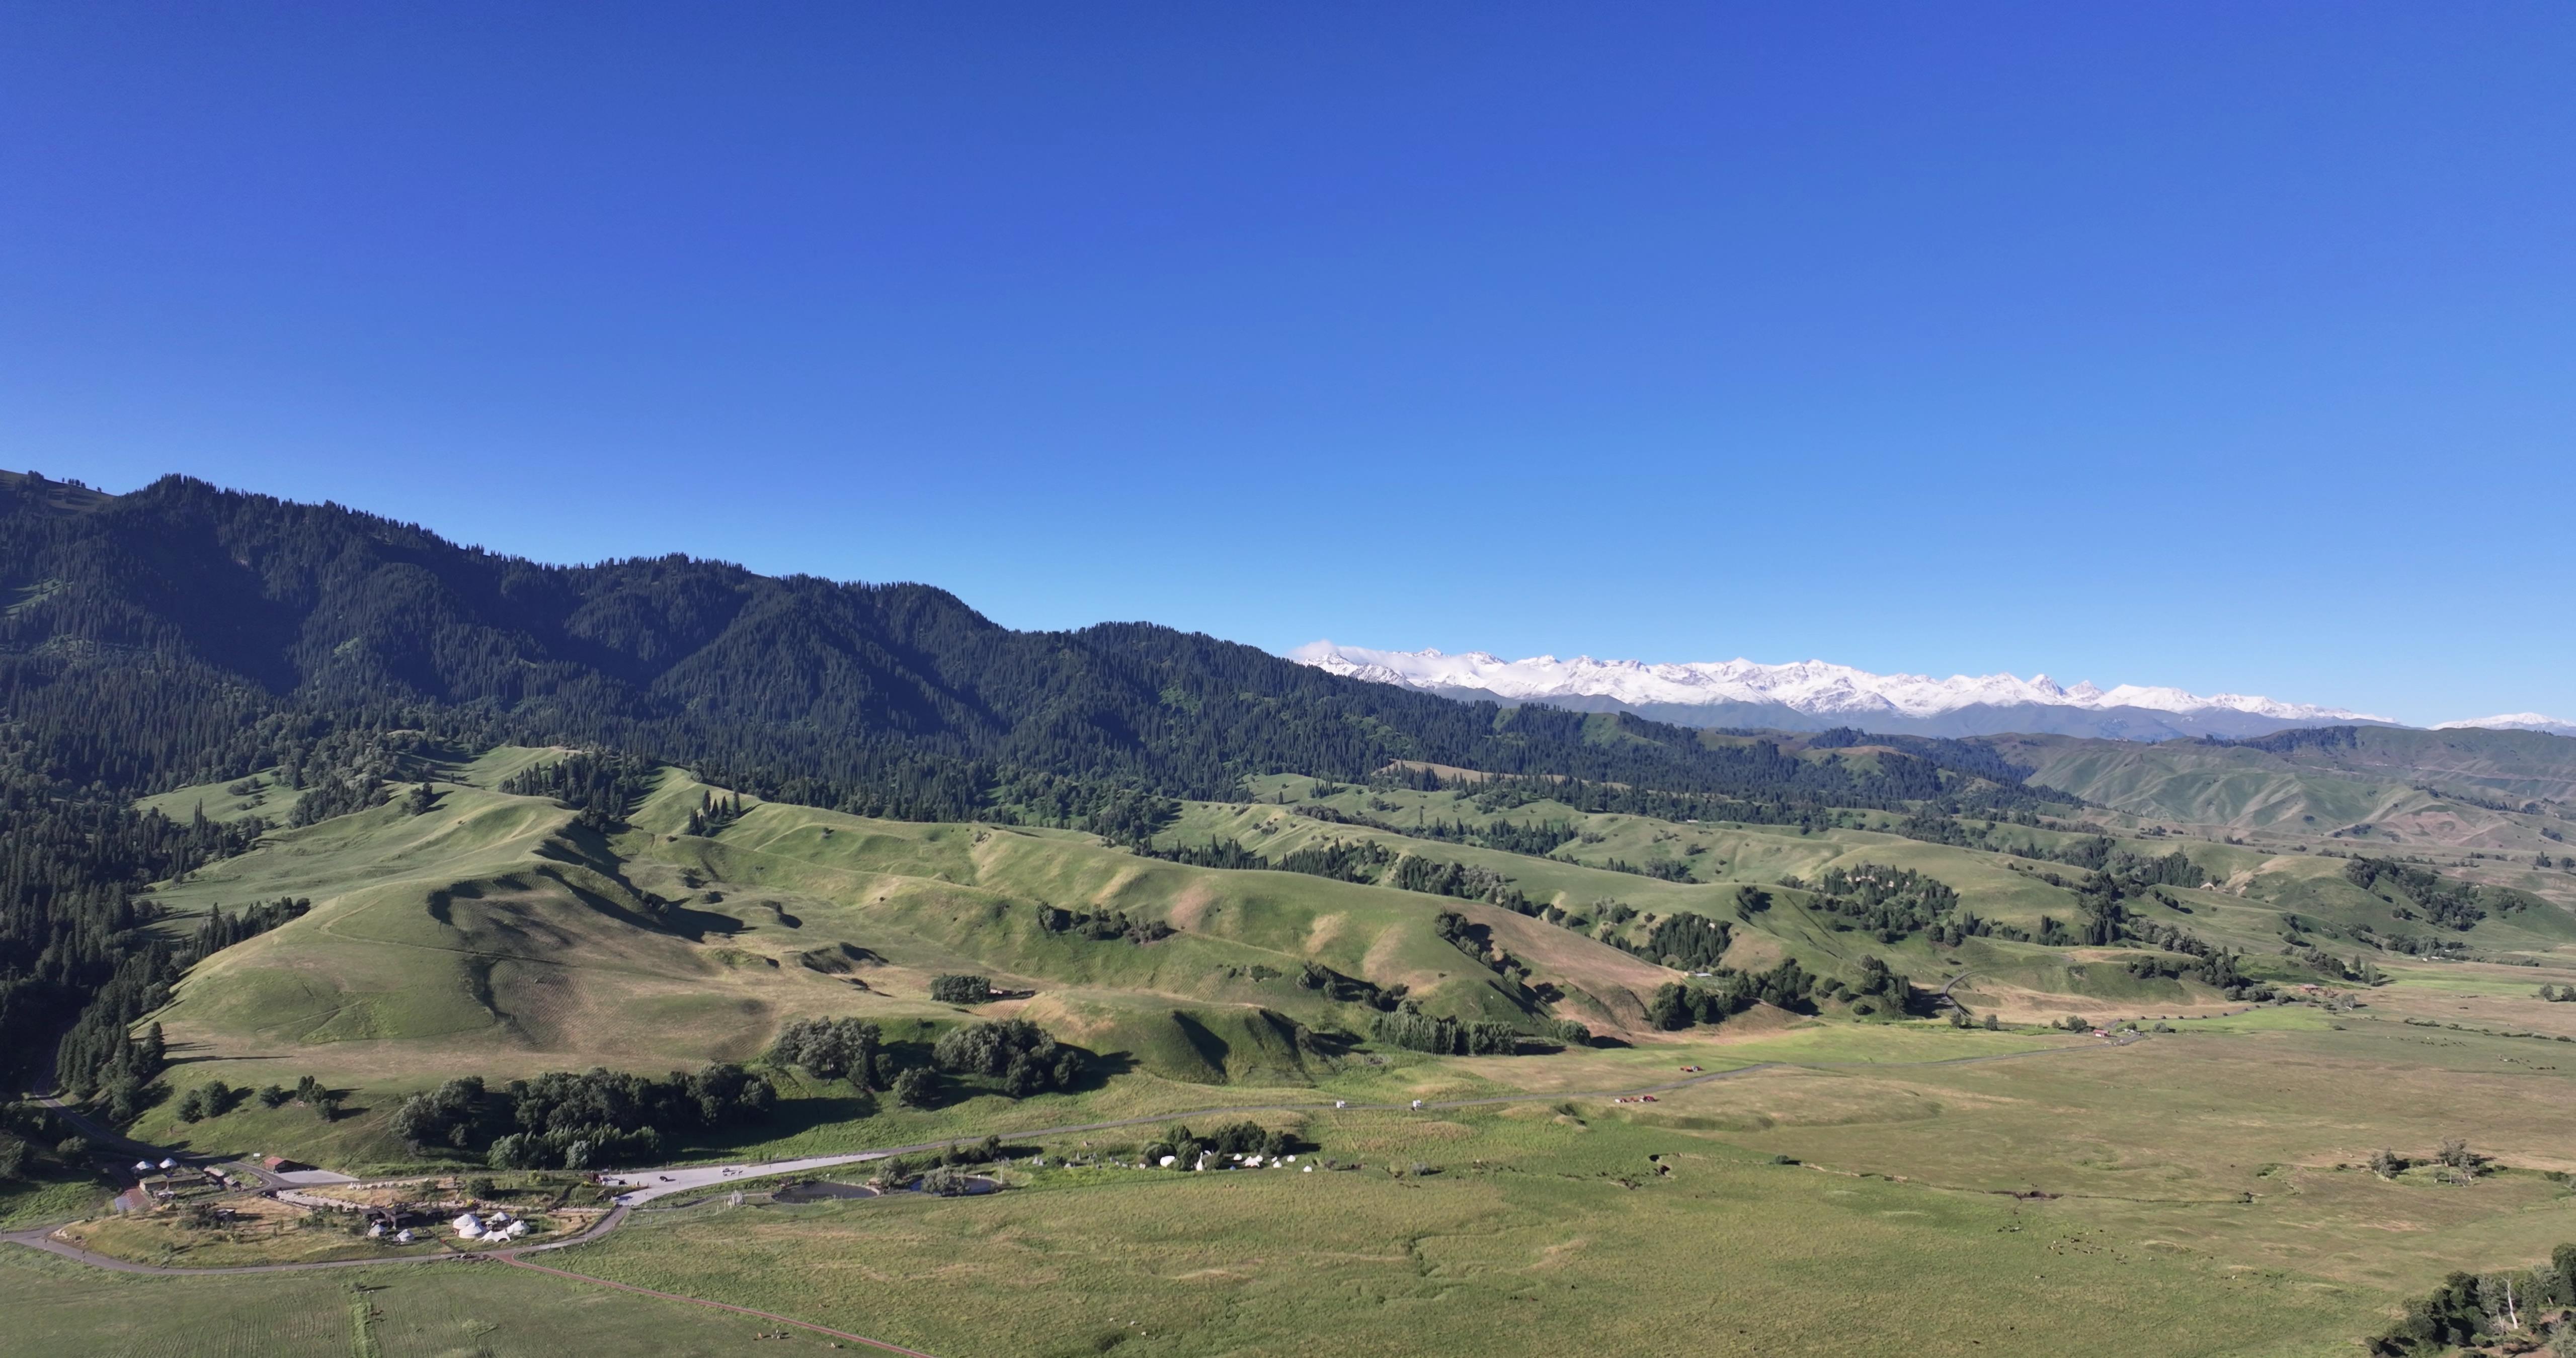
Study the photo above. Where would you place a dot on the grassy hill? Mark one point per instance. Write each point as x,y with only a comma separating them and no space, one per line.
500,935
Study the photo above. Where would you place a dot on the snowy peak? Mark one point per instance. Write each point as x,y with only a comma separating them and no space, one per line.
1812,688
2513,721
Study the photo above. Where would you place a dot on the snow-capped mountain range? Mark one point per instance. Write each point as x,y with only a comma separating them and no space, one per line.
2514,721
1813,695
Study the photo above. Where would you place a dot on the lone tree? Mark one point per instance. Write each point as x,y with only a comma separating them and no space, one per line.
916,1088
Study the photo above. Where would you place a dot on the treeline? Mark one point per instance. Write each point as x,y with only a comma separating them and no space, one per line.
159,628
74,947
186,634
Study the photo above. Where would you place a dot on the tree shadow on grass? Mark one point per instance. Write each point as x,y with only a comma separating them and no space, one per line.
791,1118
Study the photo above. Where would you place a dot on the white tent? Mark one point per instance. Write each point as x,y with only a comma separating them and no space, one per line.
402,1238
468,1227
142,1166
169,1164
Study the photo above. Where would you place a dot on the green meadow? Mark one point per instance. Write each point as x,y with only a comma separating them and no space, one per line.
2015,1190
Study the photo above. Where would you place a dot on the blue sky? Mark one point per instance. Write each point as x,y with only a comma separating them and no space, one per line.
2228,346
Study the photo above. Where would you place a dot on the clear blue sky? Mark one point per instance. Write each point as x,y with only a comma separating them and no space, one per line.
2221,345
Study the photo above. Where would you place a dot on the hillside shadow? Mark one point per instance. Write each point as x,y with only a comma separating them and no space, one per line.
1099,1068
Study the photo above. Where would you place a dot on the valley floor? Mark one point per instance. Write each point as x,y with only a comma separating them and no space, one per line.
2202,1192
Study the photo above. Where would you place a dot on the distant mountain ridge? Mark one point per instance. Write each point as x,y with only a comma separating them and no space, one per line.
2512,721
1816,695
183,633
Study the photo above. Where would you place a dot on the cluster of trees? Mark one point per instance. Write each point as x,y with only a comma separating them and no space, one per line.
1727,993
1355,861
2444,901
1101,927
1462,881
2173,869
1887,902
1661,869
221,931
2094,851
1477,942
1416,1031
713,813
1023,1056
1879,990
583,1121
1241,1138
2484,1308
602,1117
212,1099
604,786
1536,839
28,1131
837,1048
1342,989
961,989
1683,941
2564,994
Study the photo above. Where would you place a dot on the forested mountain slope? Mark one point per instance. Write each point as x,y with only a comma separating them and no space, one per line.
185,634
148,635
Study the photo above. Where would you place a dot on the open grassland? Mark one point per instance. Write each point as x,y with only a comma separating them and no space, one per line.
2195,1194
418,1311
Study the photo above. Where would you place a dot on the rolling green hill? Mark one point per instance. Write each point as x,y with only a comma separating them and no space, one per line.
502,935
